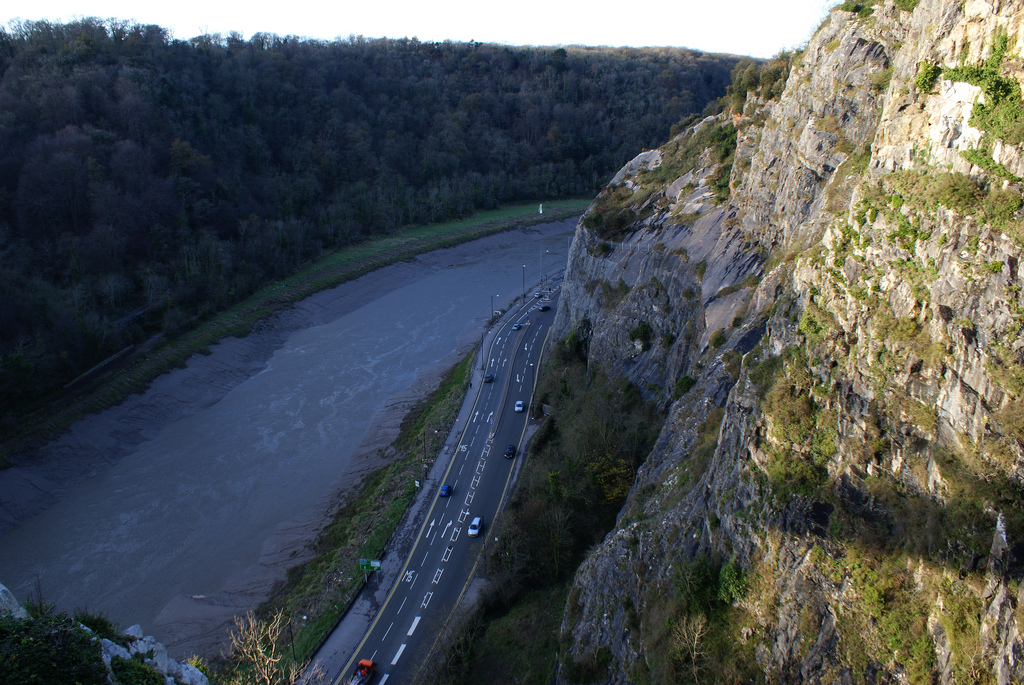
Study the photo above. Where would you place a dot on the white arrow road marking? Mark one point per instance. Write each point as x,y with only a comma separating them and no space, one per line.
446,529
430,528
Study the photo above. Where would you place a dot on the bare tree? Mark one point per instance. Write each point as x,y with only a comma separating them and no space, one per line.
258,644
689,638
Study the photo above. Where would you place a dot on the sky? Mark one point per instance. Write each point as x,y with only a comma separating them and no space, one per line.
759,28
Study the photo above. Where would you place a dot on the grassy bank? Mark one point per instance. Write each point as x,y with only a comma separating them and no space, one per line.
322,588
144,365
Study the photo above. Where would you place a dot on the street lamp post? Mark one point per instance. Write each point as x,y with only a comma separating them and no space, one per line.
524,282
531,388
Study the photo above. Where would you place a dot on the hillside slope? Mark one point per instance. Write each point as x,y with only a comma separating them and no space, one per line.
831,303
147,183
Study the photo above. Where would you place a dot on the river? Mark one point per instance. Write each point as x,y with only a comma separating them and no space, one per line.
183,505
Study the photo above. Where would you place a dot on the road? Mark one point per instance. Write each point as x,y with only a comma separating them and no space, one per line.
443,556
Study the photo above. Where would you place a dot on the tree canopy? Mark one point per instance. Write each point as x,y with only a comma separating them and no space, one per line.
145,181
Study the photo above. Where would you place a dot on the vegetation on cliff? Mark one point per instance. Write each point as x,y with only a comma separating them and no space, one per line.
859,461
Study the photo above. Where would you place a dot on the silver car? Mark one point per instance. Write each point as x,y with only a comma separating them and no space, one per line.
474,527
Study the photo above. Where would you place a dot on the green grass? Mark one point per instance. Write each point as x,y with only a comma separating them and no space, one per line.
35,429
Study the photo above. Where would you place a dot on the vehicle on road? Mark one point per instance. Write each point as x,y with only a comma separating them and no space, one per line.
543,307
364,672
516,326
537,294
519,405
510,451
488,377
445,490
475,527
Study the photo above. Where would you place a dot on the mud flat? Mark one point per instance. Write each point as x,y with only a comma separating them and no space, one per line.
182,506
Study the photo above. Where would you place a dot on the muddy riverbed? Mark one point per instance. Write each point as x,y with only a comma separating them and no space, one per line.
183,505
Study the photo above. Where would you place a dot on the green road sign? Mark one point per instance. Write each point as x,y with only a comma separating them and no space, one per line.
369,564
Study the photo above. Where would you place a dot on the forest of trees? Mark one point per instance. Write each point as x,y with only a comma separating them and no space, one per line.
146,182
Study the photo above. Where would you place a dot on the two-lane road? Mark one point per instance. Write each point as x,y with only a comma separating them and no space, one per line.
443,556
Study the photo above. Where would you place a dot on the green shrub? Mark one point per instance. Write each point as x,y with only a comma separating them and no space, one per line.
718,338
101,626
719,183
928,74
1001,113
862,9
134,672
815,323
732,584
982,158
958,191
643,333
1001,207
764,373
199,664
49,649
683,385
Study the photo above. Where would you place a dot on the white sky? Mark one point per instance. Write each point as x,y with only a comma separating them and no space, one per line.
759,28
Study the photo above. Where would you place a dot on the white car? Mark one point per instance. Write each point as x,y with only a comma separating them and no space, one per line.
519,405
474,527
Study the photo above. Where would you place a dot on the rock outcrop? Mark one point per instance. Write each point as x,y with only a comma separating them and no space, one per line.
831,309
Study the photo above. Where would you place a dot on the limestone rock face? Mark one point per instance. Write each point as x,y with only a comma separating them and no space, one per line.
9,605
849,324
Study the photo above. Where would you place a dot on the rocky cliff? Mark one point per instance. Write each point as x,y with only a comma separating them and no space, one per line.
824,287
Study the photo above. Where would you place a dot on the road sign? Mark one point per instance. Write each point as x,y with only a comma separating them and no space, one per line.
369,564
